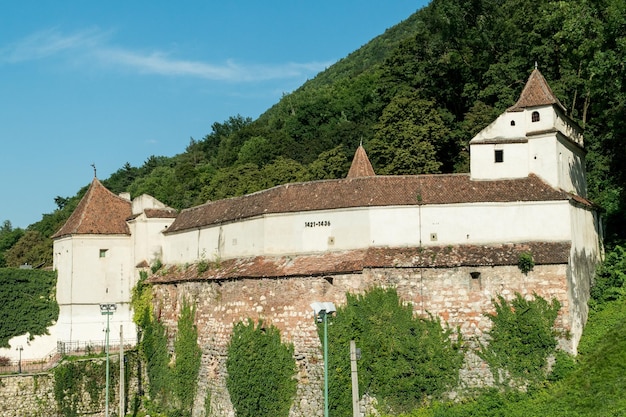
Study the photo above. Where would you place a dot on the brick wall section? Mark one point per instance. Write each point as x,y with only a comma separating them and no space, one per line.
450,293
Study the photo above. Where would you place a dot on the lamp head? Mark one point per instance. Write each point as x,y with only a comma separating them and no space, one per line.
108,308
322,308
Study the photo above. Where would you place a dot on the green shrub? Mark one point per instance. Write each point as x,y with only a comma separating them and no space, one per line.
27,302
156,266
564,364
261,371
74,379
172,386
203,266
404,359
521,339
610,278
188,356
525,262
154,349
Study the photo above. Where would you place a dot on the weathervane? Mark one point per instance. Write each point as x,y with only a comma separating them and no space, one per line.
94,170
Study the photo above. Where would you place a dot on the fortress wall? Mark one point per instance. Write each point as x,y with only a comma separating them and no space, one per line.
450,293
27,396
33,395
356,228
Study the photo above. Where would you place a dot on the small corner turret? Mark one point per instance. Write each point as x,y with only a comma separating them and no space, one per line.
361,165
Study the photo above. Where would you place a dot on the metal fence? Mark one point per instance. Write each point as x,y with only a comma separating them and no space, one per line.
69,348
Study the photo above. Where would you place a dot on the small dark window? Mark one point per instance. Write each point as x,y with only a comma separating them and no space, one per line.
512,122
535,116
499,155
103,253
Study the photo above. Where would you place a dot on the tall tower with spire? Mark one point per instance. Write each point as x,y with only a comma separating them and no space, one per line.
534,136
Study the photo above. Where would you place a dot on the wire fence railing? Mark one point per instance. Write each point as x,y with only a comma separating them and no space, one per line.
63,349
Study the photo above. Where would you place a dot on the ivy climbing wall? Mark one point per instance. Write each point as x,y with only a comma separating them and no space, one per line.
460,296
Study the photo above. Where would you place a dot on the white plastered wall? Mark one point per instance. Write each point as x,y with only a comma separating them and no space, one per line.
359,228
148,238
571,168
546,147
86,279
484,223
514,165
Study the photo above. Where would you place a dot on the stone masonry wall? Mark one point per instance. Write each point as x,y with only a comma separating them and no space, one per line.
32,395
27,396
460,296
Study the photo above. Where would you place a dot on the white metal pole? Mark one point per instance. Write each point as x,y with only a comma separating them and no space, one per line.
356,412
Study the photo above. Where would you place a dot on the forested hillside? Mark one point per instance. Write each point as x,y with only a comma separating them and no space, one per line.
414,97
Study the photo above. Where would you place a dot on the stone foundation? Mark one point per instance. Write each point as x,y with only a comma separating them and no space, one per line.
459,296
33,395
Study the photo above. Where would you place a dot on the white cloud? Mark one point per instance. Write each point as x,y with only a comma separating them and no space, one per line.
93,45
50,42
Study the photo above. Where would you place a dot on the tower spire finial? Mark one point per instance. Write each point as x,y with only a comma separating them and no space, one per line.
535,64
94,170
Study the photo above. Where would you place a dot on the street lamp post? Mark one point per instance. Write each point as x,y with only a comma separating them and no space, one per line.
19,362
107,310
321,311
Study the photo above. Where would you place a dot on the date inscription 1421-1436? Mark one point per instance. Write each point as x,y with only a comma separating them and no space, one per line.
321,223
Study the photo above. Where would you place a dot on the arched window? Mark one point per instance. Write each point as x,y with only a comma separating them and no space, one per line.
512,122
535,116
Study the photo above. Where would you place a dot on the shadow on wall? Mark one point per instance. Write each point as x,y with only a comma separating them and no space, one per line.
576,173
581,274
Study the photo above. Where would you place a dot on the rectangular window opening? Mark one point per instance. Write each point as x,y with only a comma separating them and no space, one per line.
103,253
499,155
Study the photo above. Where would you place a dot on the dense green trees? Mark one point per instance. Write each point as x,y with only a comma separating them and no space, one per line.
407,136
33,248
8,237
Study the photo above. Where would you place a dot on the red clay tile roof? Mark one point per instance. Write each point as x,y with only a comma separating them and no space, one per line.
98,212
347,262
584,201
536,92
361,165
161,213
152,213
365,192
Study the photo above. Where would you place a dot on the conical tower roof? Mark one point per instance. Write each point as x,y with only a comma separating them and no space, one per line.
99,212
536,92
361,165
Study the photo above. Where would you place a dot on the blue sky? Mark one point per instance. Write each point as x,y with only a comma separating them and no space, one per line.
107,83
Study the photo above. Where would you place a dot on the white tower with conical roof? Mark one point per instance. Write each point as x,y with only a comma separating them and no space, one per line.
534,136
